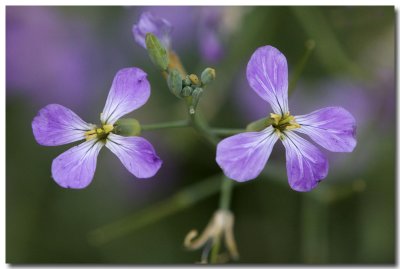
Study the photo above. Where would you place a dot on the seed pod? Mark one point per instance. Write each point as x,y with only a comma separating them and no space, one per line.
174,82
158,54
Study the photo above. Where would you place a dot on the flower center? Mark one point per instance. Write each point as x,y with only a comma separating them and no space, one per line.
283,123
99,133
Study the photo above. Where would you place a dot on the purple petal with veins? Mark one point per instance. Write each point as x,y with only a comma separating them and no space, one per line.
136,154
306,165
267,74
75,168
334,128
129,91
57,125
243,156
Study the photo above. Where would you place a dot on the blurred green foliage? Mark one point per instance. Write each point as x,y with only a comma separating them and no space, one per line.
348,219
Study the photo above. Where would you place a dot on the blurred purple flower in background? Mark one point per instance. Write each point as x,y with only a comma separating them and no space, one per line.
148,23
211,46
207,27
242,157
47,56
57,125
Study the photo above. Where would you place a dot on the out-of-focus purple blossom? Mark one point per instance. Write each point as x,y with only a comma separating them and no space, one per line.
57,125
242,157
47,55
210,36
148,23
205,27
182,19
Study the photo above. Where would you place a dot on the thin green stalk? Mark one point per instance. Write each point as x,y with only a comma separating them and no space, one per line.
181,200
224,131
310,45
226,193
202,128
314,230
165,125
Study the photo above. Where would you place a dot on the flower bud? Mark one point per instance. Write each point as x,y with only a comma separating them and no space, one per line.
127,127
158,54
194,79
208,75
187,81
174,82
196,95
187,91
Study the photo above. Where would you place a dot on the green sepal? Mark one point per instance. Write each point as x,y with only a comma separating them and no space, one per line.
127,127
158,54
174,82
259,125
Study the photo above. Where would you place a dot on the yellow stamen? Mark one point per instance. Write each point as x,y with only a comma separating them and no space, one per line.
99,132
108,128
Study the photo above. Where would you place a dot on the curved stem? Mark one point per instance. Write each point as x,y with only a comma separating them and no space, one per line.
165,125
181,200
202,128
227,132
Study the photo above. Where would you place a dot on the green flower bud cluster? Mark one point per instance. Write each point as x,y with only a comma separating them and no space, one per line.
190,87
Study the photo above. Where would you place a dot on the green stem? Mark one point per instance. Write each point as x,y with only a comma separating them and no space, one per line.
226,193
314,226
310,45
224,131
165,125
181,200
201,127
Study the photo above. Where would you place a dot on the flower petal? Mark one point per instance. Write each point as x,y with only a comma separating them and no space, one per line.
148,23
129,91
267,74
334,128
306,165
243,156
75,167
57,125
136,154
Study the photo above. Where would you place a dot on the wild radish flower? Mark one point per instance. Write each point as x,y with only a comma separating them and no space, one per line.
242,157
159,27
57,125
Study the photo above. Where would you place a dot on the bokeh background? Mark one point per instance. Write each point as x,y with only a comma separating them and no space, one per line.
69,56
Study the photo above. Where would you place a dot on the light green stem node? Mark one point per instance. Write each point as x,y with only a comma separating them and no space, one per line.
158,54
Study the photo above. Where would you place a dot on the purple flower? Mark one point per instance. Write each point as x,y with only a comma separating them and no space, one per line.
57,125
148,23
211,46
242,157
